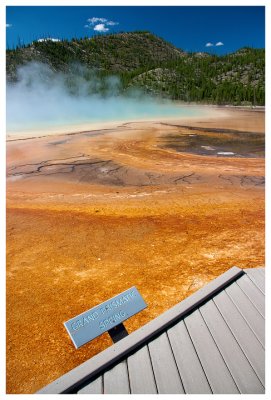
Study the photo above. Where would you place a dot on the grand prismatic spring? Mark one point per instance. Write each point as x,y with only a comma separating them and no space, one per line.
163,204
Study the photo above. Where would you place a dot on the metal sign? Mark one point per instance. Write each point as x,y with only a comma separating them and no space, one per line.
92,323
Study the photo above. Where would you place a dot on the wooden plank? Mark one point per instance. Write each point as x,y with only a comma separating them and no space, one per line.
193,377
242,332
116,380
253,293
252,316
140,372
95,387
217,372
103,360
256,278
240,369
262,271
166,373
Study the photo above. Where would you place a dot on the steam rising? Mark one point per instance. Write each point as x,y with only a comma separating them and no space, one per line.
42,98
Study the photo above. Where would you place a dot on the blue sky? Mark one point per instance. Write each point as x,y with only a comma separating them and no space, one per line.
217,29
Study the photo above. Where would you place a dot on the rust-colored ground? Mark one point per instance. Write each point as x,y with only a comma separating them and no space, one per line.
92,214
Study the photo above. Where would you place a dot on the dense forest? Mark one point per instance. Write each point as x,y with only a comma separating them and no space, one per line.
143,60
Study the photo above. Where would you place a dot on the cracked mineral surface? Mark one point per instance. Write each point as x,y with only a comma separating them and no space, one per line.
163,206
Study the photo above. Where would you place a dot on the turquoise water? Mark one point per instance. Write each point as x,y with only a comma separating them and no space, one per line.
41,114
42,99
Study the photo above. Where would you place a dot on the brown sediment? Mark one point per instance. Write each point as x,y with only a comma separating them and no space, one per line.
92,214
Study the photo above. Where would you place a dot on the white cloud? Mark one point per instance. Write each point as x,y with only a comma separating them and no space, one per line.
219,44
8,25
48,39
100,28
111,23
94,20
209,44
99,24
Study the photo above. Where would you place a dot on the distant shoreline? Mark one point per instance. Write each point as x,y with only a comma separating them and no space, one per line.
224,106
71,129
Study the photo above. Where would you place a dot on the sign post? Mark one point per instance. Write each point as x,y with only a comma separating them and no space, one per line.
118,332
106,317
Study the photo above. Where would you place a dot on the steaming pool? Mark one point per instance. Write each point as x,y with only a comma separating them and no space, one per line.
74,114
42,99
29,115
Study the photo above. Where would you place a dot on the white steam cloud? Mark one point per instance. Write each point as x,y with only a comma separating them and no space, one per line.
42,98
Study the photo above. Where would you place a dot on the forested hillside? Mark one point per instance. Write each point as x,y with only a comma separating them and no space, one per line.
142,60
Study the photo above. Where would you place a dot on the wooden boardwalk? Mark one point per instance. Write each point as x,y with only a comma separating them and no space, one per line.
212,342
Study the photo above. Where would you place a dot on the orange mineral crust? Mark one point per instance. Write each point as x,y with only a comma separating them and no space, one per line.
149,205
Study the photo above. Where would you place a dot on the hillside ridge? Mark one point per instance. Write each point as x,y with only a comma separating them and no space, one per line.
143,60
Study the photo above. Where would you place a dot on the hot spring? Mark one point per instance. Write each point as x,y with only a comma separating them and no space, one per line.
42,99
